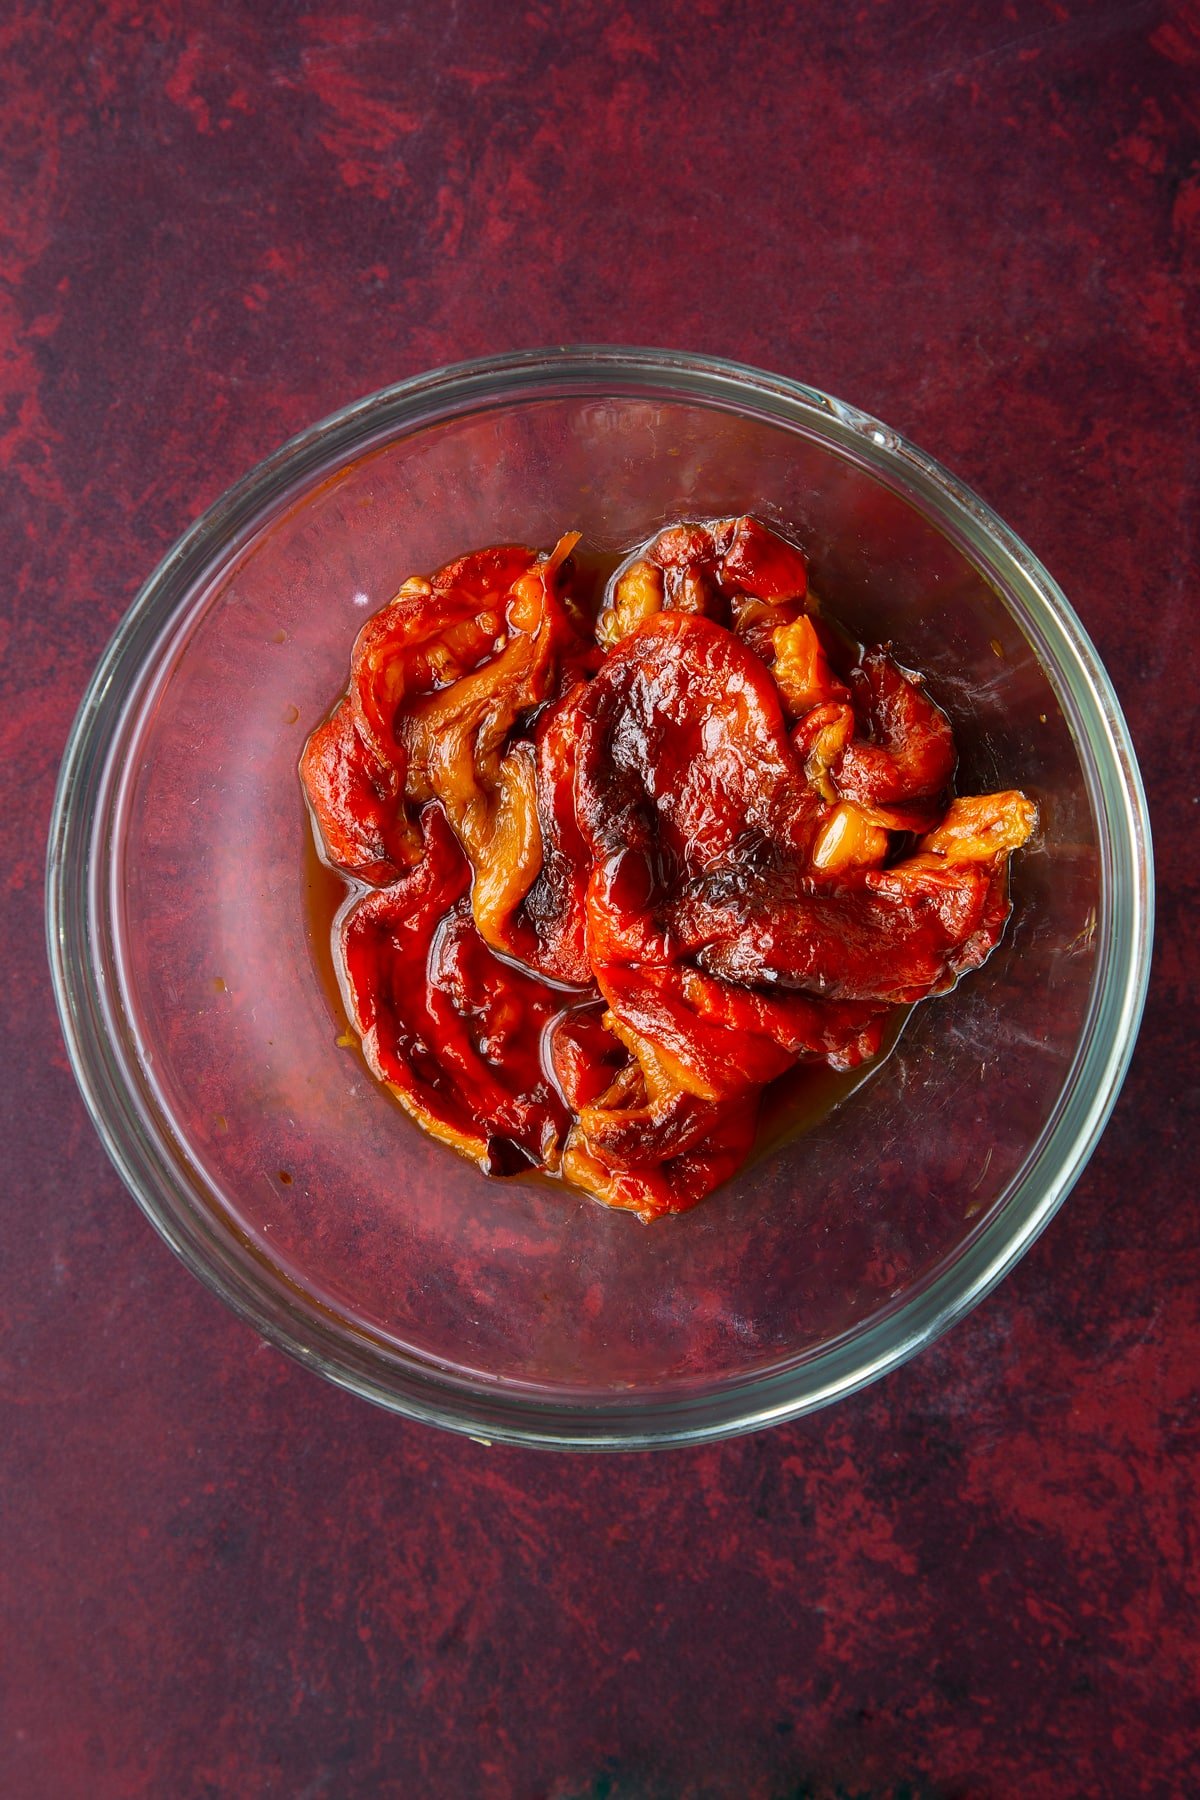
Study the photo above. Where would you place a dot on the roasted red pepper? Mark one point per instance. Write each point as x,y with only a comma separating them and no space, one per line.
616,878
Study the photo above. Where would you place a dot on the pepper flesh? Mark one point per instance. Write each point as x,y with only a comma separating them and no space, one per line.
615,877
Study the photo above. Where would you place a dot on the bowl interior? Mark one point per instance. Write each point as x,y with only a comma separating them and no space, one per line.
305,1172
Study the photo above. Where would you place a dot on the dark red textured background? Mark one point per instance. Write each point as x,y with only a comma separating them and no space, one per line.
219,1576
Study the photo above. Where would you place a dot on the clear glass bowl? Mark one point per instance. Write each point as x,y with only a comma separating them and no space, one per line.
184,907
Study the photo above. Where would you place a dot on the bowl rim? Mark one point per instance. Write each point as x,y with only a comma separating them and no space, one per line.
142,1149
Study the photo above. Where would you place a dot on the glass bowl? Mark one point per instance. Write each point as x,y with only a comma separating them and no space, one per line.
185,909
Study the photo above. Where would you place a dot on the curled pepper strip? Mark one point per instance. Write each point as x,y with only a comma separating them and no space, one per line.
453,743
626,876
677,1184
734,571
908,761
454,1032
355,765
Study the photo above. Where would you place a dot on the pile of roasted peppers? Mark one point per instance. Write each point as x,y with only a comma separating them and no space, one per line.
618,872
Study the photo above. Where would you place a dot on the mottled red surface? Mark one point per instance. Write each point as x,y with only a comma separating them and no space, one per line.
221,1576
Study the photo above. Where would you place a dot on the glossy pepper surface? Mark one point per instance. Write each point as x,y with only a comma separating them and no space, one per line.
616,874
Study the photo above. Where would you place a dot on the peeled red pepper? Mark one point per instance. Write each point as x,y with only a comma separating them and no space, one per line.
616,876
